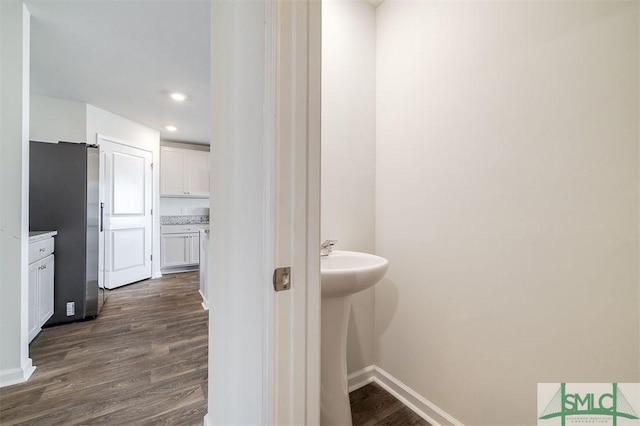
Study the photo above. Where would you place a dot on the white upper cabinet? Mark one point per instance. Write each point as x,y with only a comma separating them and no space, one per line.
172,171
198,173
184,172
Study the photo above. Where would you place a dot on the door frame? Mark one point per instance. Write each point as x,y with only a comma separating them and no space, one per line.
297,64
264,347
101,199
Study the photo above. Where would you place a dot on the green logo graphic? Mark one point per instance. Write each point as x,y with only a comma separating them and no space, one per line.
613,404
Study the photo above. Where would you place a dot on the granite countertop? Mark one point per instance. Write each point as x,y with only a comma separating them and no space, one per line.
184,220
35,236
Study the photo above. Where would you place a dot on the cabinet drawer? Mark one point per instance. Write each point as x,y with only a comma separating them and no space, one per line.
179,229
40,250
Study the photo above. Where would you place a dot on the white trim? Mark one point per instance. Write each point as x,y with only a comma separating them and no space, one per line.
297,205
313,31
269,155
360,378
205,421
205,302
178,270
17,375
409,397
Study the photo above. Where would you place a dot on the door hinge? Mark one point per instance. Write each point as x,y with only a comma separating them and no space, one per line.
151,212
151,257
151,166
282,278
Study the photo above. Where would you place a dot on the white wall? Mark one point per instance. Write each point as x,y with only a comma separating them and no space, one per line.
15,364
348,149
236,315
507,200
170,206
53,120
120,129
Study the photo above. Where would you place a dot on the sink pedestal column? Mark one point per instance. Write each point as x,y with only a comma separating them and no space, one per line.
334,401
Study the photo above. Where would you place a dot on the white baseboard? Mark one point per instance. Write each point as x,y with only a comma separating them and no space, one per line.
17,375
179,269
205,302
412,399
206,421
360,378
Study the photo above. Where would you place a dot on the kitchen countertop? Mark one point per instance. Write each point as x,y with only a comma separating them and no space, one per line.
184,220
35,236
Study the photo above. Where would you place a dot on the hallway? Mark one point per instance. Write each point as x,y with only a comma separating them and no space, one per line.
143,360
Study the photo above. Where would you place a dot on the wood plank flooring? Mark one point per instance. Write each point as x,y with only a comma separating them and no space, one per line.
372,405
142,361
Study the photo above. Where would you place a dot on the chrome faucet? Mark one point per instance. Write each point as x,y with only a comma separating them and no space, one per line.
327,247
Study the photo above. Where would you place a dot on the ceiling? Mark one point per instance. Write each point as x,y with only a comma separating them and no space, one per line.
127,57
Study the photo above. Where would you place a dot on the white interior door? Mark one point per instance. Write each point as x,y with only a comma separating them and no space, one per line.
127,213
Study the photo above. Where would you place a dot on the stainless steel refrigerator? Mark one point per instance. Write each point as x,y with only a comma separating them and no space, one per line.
63,197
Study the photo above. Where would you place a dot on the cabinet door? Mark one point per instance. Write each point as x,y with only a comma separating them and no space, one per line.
172,171
203,271
45,290
194,243
175,250
34,270
198,173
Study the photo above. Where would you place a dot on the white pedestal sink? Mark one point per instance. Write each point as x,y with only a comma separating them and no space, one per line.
343,273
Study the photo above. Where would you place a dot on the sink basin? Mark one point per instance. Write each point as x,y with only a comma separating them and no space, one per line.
347,272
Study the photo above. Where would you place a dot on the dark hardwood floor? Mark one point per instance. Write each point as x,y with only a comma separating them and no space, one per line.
142,361
372,405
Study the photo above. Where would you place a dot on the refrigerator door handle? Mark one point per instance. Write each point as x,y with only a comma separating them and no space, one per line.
101,217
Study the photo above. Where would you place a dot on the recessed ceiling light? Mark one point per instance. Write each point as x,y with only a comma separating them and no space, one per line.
171,128
179,97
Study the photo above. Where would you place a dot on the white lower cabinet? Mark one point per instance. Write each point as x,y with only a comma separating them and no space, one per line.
45,290
194,250
40,294
204,268
175,250
41,282
180,250
34,327
180,247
